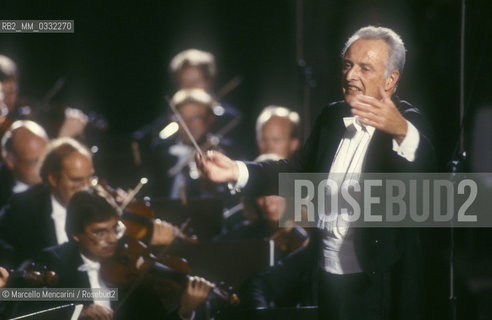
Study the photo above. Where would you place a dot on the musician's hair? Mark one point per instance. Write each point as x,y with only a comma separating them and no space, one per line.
8,68
280,112
396,59
196,95
58,150
203,60
86,207
9,136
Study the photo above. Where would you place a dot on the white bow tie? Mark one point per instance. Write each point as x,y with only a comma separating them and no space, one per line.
86,267
354,122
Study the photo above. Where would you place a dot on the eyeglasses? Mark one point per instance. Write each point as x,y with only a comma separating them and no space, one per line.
103,235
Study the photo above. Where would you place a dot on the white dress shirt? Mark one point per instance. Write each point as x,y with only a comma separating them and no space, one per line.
59,215
95,280
337,245
20,187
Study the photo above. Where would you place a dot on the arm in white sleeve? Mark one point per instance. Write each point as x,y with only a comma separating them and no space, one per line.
242,179
409,145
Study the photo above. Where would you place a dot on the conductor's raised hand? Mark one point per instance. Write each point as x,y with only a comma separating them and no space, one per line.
380,113
217,167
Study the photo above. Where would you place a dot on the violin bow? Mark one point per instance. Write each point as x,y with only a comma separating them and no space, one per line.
133,193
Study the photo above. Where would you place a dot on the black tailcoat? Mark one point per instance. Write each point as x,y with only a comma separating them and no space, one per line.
391,255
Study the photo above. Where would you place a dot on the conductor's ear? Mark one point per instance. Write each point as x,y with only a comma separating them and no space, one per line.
391,80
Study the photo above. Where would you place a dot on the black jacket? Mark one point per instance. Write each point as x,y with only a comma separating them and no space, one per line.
26,223
64,259
7,182
383,253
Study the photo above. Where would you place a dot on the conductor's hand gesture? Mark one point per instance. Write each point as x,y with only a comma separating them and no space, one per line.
216,167
380,113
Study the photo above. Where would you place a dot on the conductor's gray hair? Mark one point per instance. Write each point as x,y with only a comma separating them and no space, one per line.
396,59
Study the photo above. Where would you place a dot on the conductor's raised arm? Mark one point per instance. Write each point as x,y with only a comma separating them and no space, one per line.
217,167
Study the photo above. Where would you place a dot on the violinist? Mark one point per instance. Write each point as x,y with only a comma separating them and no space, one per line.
74,121
40,211
193,68
93,227
196,109
23,145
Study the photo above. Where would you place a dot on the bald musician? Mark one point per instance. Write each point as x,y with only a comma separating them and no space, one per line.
41,210
23,145
277,131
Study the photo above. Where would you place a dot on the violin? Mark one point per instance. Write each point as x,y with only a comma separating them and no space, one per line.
32,276
133,263
137,215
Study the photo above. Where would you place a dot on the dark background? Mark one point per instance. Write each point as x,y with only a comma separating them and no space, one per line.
116,64
116,61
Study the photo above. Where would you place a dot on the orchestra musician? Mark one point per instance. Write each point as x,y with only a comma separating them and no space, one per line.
277,131
74,121
277,137
23,145
193,68
196,109
93,228
350,273
41,210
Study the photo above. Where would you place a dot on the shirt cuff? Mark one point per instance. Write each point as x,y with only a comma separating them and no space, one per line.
409,145
242,178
